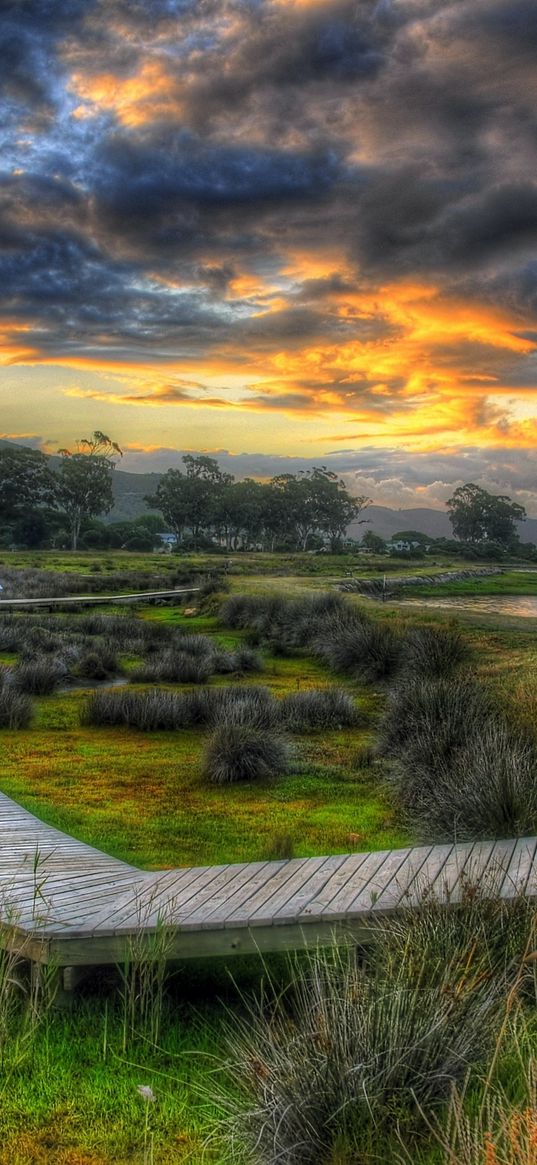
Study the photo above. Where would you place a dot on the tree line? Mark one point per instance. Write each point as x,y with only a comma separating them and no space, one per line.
48,501
45,501
291,511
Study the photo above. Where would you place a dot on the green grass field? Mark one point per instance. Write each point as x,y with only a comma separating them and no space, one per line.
69,1091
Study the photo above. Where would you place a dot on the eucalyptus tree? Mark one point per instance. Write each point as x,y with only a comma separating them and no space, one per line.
84,481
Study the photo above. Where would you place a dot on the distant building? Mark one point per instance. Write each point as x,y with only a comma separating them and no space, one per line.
404,546
168,540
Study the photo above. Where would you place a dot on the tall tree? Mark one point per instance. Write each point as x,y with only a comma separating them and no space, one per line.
334,507
478,516
84,480
26,482
189,501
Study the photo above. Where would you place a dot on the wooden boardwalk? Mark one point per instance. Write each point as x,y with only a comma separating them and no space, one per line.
66,903
93,600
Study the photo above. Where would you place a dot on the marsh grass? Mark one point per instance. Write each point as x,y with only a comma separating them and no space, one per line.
39,677
353,1046
462,770
434,652
318,710
235,753
16,708
149,711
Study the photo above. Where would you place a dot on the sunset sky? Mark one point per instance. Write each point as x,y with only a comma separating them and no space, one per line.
298,231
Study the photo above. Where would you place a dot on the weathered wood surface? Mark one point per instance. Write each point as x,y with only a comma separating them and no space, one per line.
94,600
64,901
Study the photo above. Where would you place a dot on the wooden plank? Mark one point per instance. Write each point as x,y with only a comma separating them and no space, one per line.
379,878
399,885
326,899
521,868
293,908
206,909
278,875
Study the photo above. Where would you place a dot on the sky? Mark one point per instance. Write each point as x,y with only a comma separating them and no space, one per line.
286,232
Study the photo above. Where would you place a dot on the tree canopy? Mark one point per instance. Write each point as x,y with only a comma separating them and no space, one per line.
478,516
84,481
291,509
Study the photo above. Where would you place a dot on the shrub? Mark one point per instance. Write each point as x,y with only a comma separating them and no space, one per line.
356,646
99,663
10,634
486,788
196,645
16,708
175,667
39,676
235,752
149,711
427,719
249,706
350,1044
434,651
319,709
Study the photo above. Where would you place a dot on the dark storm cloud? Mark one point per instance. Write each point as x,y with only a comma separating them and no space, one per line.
403,136
30,31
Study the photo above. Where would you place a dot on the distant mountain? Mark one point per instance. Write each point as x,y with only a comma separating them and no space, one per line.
386,522
435,523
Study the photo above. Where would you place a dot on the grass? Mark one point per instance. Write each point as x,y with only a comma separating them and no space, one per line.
511,582
142,797
74,1101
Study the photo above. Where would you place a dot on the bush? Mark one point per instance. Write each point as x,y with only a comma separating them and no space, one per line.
244,661
39,676
10,634
427,719
487,788
434,651
356,646
149,711
319,709
16,709
175,667
353,1047
249,706
238,753
98,663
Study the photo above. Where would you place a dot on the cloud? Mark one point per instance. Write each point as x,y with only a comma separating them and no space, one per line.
307,209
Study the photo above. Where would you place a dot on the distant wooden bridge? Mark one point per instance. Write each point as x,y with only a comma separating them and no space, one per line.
64,903
93,600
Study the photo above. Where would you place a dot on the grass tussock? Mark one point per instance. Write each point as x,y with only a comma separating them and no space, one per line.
174,667
318,709
148,711
237,753
350,1047
434,652
39,677
462,770
16,708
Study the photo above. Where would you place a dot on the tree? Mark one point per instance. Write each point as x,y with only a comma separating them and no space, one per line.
334,507
374,542
190,500
478,516
26,482
84,481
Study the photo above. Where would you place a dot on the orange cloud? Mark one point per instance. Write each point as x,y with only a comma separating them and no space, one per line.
146,96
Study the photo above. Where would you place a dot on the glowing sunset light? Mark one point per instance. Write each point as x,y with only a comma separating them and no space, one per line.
297,229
